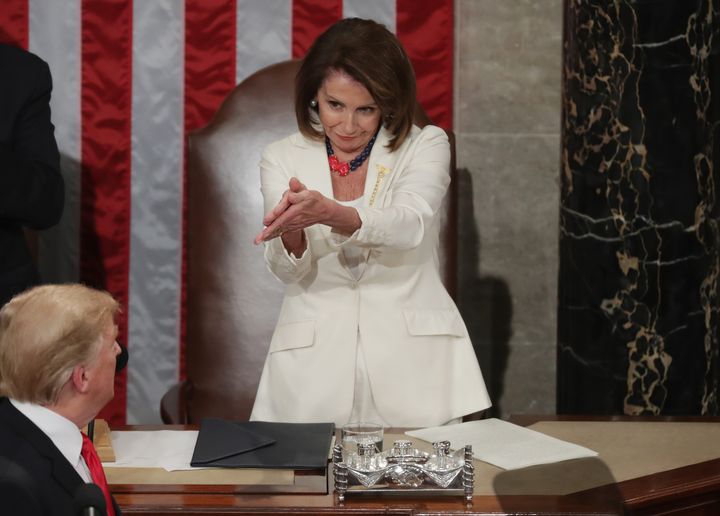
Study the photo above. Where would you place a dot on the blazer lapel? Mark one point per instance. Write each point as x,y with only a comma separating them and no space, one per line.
312,166
380,169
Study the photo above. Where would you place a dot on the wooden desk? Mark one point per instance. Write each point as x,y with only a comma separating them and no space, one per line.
693,490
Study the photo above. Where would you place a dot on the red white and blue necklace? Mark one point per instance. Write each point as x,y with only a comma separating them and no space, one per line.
344,168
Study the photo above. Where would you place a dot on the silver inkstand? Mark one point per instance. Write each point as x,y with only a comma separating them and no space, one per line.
403,470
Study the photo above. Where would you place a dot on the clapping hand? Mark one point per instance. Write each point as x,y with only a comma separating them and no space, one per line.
298,208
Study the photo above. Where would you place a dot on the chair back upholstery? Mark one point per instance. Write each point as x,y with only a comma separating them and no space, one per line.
232,300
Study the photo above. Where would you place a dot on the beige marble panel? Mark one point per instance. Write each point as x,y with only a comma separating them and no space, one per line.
509,214
508,77
509,73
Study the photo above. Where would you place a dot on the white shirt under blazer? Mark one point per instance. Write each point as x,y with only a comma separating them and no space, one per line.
420,361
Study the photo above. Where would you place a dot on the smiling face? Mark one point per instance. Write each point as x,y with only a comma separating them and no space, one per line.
348,113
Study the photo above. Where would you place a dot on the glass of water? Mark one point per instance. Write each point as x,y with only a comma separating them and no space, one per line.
355,433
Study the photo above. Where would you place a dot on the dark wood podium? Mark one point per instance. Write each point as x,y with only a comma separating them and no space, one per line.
688,490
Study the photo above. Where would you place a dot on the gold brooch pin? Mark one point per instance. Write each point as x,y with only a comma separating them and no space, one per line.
382,172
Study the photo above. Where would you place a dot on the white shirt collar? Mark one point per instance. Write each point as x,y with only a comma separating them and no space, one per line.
64,434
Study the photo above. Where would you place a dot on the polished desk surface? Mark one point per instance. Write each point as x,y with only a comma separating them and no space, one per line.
691,488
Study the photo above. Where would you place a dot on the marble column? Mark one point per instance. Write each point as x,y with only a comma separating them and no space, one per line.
638,299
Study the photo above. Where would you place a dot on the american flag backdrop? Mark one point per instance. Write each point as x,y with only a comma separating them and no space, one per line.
131,79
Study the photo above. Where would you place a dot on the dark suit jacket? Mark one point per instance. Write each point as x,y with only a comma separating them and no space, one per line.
31,187
54,478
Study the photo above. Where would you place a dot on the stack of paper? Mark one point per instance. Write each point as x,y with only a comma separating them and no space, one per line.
504,444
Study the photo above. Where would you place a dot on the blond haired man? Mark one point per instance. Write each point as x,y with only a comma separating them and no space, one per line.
58,352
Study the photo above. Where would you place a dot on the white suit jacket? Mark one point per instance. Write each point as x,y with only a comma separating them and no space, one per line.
420,361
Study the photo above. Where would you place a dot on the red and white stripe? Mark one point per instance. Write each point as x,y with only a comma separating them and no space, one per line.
131,79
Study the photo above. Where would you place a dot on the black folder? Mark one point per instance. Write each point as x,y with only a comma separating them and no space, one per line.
259,444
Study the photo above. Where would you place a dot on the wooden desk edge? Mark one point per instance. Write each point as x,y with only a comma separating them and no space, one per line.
697,483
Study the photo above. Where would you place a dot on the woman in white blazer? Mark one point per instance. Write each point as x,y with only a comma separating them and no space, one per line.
366,332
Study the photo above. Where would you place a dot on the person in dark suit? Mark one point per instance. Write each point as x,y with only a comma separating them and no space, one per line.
31,187
17,490
58,355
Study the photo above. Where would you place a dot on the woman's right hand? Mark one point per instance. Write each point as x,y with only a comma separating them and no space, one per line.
298,208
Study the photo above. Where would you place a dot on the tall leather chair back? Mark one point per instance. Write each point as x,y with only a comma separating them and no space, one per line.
232,300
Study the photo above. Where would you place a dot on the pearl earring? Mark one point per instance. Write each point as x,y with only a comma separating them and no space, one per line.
313,103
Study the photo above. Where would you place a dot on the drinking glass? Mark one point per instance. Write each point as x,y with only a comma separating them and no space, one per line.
355,433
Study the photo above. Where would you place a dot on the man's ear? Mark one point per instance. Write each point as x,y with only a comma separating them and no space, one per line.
80,378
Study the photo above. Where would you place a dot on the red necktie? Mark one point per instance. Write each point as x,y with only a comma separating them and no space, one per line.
96,471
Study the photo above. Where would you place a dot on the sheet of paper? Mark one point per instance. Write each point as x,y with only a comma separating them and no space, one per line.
167,449
504,444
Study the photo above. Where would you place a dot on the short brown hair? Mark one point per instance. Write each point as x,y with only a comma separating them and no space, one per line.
373,56
44,333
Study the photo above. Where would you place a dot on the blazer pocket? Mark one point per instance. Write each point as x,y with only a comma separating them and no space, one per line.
434,322
293,335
